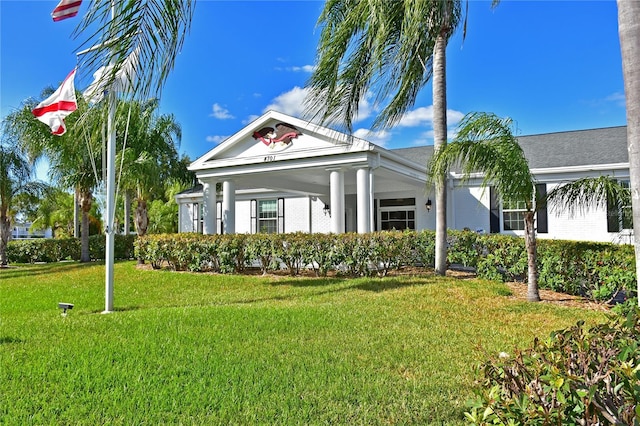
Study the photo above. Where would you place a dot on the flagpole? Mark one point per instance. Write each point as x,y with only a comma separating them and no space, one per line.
110,207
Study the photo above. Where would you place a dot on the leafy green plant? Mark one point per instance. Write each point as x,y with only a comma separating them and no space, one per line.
580,375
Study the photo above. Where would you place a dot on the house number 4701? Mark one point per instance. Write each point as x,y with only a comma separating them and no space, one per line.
269,158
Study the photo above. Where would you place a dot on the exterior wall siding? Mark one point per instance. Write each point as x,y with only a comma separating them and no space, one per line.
296,214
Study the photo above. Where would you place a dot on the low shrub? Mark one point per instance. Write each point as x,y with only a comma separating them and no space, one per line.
57,249
577,376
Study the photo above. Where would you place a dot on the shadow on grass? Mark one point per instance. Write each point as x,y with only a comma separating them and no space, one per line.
118,309
388,284
371,283
8,340
28,270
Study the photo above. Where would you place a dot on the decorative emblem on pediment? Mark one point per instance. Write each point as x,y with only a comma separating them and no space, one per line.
279,138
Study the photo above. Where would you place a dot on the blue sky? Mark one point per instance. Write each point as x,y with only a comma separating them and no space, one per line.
549,65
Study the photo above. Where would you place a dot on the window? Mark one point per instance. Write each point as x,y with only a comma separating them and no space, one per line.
513,215
513,212
398,214
268,216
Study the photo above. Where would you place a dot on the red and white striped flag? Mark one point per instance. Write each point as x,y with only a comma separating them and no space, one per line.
56,107
66,9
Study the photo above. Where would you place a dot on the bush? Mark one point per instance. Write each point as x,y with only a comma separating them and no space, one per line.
122,246
577,376
43,250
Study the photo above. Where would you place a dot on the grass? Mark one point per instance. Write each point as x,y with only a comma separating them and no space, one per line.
216,349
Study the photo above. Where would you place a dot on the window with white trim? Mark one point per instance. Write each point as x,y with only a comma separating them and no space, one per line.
398,214
268,216
513,215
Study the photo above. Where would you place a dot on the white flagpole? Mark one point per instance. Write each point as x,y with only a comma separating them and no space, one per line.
111,185
110,207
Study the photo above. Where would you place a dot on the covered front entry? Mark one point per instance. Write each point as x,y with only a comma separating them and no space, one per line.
254,181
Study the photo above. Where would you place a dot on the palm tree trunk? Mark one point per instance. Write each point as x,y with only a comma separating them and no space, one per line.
142,220
629,31
85,206
5,231
439,141
76,211
127,212
533,295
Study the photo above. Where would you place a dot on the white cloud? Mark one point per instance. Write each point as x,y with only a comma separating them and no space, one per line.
304,68
216,139
220,113
424,116
617,98
291,102
249,119
417,117
379,138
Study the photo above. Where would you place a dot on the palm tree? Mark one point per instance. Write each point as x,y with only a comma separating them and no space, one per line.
392,49
15,178
629,31
54,211
74,157
485,144
150,158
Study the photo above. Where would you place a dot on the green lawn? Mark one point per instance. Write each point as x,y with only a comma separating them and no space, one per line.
215,349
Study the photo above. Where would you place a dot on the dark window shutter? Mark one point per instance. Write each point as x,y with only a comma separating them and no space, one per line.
254,216
280,215
542,216
494,211
613,215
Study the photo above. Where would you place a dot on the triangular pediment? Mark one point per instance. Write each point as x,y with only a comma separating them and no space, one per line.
276,134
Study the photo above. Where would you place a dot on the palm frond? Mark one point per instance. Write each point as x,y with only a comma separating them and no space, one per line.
154,29
377,47
588,193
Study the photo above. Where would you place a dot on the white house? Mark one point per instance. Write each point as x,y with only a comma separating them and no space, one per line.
284,174
22,231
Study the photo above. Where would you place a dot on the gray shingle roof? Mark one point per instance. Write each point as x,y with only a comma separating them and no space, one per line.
561,149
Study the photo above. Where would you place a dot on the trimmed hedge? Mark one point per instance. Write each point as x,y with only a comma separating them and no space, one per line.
594,270
58,249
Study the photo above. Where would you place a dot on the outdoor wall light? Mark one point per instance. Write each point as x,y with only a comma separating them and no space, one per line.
327,210
428,204
64,306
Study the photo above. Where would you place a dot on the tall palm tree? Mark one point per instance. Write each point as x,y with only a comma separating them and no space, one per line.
629,32
15,178
150,158
485,144
74,158
391,49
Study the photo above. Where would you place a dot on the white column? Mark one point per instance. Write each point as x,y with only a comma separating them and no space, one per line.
228,207
363,213
372,201
209,207
336,180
